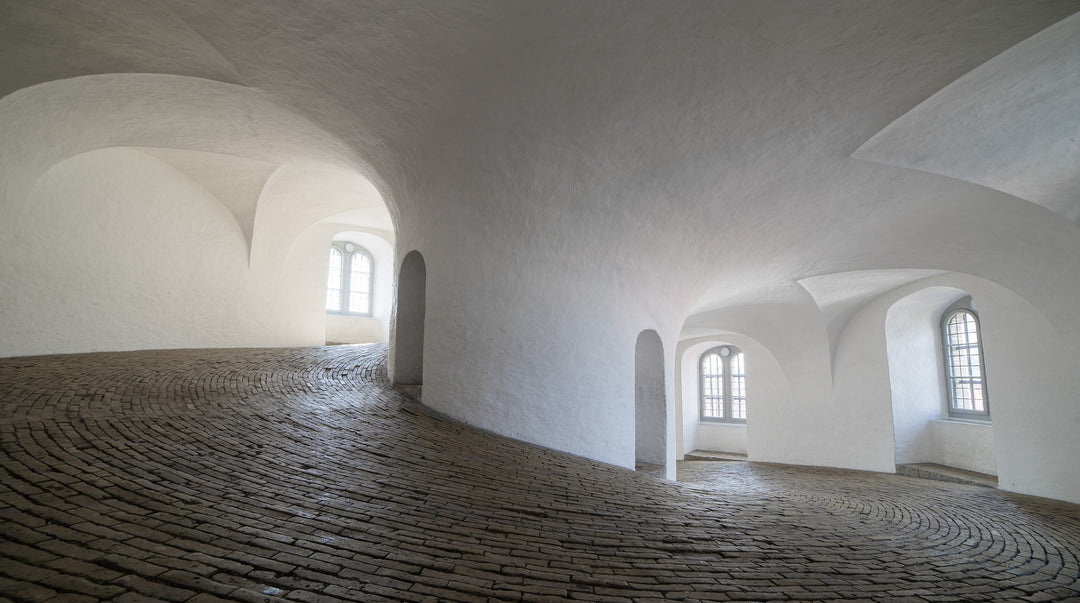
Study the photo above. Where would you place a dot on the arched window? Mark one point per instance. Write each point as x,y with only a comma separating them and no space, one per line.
723,385
348,284
965,374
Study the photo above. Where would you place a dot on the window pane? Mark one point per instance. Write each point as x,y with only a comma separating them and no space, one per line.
738,388
360,284
333,281
964,363
712,391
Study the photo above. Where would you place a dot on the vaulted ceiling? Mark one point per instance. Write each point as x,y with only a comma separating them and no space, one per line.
727,148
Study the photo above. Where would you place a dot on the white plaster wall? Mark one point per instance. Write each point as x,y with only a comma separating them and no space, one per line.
861,382
964,445
353,329
191,244
569,186
721,437
406,363
1033,387
117,250
916,371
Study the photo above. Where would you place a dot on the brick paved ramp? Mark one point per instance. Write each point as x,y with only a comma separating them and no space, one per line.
299,474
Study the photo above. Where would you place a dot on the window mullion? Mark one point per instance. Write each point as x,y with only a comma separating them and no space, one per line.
346,270
727,388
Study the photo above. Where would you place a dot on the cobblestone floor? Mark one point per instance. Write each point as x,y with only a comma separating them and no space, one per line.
299,474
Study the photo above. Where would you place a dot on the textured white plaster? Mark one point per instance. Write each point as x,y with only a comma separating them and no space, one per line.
1013,124
236,182
574,173
964,445
148,152
917,371
840,296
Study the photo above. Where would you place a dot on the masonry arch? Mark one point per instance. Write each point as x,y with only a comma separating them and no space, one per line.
407,358
1030,375
650,401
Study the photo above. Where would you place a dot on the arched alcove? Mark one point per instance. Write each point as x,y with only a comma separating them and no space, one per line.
922,429
767,394
650,403
407,367
374,327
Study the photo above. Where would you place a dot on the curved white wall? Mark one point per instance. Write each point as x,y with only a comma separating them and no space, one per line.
406,365
117,250
569,186
916,370
200,236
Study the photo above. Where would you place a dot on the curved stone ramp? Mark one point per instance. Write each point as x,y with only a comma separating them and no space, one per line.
299,474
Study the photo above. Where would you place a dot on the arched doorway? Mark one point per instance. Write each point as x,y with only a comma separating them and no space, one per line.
407,357
650,404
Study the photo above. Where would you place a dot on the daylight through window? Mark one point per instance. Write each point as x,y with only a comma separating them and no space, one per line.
964,371
348,285
723,385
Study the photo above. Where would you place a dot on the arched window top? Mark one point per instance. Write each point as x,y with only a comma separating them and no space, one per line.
723,385
965,372
349,281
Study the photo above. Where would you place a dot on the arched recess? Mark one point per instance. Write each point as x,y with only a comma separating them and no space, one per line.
374,327
407,358
922,429
767,390
217,179
650,402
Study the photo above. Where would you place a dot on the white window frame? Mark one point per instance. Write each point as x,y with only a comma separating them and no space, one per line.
348,249
726,384
947,346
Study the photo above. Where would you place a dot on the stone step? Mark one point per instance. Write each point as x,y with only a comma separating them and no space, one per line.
713,455
944,473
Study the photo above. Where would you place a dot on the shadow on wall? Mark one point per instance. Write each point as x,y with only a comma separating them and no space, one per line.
407,359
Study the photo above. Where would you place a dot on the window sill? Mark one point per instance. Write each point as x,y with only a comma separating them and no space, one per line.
347,314
965,421
719,423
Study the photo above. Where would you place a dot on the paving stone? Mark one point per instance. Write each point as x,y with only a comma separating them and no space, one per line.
76,584
301,475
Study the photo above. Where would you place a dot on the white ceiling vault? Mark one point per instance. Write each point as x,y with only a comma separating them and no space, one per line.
729,125
1012,124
